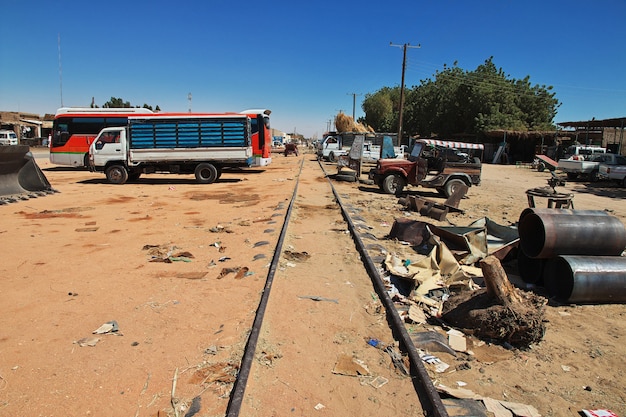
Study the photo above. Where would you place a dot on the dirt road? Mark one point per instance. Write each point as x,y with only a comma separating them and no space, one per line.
86,256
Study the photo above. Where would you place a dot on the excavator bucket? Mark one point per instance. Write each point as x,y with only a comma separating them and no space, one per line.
20,176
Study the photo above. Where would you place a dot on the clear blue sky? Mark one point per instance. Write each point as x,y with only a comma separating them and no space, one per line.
303,60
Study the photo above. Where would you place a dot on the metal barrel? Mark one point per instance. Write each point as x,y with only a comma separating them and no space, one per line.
549,233
586,279
530,269
540,211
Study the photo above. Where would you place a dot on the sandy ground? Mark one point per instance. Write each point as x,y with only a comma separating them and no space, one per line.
82,257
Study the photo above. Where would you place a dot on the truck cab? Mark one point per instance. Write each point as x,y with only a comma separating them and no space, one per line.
442,165
109,148
331,148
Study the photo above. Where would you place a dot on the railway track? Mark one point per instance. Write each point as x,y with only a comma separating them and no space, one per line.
259,375
223,312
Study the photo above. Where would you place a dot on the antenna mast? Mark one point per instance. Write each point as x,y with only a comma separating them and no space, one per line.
60,69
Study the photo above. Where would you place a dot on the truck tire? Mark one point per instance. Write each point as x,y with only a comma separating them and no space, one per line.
206,173
594,176
541,167
331,157
624,182
572,176
393,184
116,174
451,186
134,176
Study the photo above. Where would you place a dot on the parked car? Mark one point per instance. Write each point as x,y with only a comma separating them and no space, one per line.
8,137
615,172
291,149
586,168
438,164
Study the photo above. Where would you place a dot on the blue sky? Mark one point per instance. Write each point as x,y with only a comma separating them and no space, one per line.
302,60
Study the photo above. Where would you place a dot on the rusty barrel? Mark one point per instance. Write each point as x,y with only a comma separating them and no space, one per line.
546,233
586,279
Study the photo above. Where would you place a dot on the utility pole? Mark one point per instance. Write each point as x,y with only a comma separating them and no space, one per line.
353,103
189,98
404,47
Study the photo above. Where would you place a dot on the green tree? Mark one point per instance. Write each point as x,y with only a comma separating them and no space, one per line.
460,101
381,109
116,102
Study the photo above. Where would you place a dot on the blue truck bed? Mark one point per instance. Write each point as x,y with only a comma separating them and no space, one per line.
165,133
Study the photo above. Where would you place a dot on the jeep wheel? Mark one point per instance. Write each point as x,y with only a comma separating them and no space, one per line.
452,185
393,184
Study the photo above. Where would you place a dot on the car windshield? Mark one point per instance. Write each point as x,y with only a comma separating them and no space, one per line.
417,149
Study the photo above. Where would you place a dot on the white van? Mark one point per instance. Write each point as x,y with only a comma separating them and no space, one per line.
8,137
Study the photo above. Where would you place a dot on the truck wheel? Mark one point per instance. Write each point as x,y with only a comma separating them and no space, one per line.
393,184
594,177
572,176
219,173
116,174
134,176
206,173
624,182
452,185
331,157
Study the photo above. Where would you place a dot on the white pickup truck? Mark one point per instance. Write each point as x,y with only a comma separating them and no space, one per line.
615,172
589,169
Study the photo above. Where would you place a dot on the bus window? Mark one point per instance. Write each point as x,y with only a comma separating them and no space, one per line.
61,134
254,125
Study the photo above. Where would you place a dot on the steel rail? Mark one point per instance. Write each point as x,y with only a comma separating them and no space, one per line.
239,387
425,388
428,395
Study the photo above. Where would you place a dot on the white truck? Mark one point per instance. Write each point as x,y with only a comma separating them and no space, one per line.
335,144
583,162
615,172
199,145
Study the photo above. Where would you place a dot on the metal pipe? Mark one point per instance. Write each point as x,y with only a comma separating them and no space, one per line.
541,211
549,233
586,279
530,269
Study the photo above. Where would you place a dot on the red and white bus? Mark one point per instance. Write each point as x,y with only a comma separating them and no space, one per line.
75,128
261,136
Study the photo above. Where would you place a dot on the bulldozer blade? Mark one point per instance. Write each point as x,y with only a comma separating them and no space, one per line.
19,172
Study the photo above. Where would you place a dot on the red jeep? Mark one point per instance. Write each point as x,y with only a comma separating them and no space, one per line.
291,148
432,163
